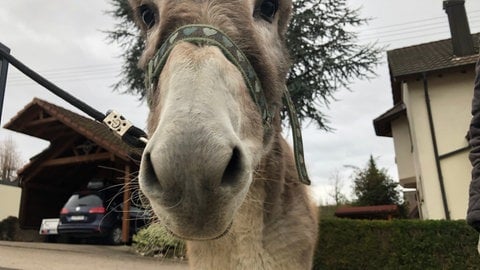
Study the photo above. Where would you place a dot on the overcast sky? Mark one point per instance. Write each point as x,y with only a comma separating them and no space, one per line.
63,40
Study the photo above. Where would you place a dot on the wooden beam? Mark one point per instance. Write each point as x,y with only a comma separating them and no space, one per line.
126,206
54,132
22,213
55,151
76,159
42,121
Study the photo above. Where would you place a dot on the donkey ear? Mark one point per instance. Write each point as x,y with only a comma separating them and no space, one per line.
285,13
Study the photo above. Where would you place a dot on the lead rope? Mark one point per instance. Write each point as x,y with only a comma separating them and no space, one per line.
206,34
297,139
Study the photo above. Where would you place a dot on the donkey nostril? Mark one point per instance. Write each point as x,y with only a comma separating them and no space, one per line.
147,174
232,172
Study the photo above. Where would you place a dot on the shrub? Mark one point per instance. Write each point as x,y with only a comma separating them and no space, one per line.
8,228
155,240
398,244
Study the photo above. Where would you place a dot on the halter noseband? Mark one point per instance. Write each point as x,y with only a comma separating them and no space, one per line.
205,34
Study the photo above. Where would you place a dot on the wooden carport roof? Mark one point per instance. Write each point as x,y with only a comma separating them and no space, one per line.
50,122
80,148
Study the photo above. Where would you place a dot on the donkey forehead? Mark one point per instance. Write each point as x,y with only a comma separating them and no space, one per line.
261,41
234,17
213,11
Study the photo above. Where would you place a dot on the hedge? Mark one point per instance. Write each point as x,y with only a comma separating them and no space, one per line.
364,244
397,244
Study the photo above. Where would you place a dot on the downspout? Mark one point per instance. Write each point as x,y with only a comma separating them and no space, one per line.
435,147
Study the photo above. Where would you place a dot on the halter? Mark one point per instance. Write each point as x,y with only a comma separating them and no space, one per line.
205,34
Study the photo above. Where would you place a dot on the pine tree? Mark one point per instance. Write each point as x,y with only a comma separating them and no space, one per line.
373,186
326,55
324,51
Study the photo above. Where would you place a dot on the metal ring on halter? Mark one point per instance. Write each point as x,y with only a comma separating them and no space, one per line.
206,34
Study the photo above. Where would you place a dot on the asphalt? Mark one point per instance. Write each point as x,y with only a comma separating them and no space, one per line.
39,256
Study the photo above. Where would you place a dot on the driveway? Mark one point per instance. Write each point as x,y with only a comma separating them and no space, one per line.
39,256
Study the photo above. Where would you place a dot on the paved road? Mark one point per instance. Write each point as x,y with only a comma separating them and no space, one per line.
39,256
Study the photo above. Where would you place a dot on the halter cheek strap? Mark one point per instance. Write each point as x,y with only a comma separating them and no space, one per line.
205,34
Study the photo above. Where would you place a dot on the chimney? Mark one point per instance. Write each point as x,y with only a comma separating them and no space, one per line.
462,42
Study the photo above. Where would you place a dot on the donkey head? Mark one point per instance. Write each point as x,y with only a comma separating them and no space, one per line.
208,133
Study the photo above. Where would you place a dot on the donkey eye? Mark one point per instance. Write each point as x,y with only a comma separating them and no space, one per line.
268,9
148,16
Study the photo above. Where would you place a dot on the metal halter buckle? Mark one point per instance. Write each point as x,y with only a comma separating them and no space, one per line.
117,123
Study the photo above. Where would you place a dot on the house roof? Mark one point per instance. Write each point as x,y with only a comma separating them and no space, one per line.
382,124
432,56
47,121
374,211
427,57
403,63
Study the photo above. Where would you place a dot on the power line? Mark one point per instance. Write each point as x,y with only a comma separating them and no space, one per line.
414,22
410,38
403,31
27,82
84,74
409,29
74,70
80,67
401,24
407,35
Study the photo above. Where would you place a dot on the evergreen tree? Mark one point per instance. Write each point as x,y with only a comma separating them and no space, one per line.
127,34
323,48
373,186
325,54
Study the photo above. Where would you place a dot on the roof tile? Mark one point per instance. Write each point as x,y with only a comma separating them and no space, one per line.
426,57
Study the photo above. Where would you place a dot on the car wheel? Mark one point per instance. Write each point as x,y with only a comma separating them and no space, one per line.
115,236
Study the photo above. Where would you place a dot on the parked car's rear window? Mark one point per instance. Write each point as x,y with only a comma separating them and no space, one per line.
84,200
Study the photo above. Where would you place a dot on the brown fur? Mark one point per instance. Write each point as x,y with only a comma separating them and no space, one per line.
275,226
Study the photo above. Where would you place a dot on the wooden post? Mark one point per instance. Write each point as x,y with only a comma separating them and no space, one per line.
126,206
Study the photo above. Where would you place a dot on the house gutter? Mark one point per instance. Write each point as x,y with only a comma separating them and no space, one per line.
435,147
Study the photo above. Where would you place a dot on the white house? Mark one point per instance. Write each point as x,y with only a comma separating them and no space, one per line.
432,88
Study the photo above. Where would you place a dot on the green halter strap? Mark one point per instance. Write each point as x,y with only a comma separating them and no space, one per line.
205,34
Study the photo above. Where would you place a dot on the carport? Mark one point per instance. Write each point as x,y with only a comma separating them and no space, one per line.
80,150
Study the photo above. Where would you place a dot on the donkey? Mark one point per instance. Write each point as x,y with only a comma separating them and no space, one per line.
216,170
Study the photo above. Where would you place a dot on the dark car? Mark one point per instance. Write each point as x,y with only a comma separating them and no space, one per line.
90,213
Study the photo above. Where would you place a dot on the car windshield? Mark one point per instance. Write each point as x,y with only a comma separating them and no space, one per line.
84,200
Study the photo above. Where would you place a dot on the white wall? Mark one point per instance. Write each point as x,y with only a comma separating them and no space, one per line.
450,99
9,201
403,151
